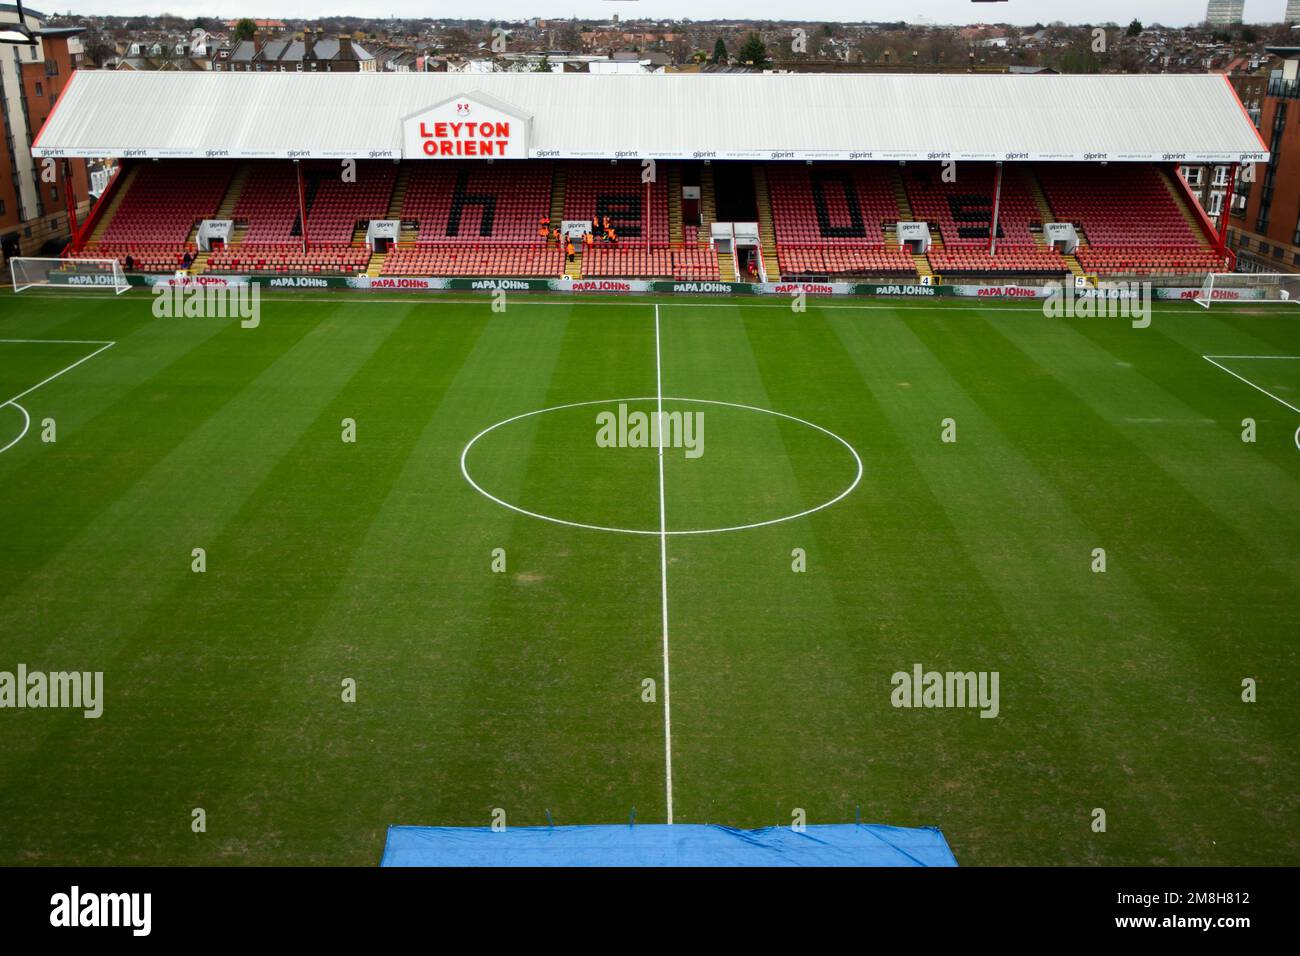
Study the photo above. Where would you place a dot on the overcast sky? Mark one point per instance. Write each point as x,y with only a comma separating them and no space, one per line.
1171,12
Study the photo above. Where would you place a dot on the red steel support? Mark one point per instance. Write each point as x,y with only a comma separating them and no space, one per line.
648,217
71,196
997,201
302,205
1226,210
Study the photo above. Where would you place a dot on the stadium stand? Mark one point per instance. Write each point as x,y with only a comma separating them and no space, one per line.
962,210
154,219
481,220
269,205
831,220
474,202
1128,219
822,210
259,259
685,263
835,204
1009,260
846,261
601,189
443,259
1149,261
335,207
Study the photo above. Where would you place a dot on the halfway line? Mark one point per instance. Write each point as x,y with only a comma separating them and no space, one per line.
663,574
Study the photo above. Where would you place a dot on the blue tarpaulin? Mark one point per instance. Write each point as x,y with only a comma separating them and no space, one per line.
681,844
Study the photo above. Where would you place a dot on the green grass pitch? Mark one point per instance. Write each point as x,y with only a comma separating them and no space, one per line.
523,690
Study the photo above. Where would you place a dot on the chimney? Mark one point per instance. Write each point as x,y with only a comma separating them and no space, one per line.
345,48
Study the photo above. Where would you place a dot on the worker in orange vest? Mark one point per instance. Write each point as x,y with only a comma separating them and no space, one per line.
570,250
544,229
609,232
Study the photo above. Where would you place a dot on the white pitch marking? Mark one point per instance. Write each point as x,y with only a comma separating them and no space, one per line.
85,358
1242,378
822,303
27,423
663,574
464,470
57,341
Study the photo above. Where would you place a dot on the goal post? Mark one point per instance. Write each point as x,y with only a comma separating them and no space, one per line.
1256,287
30,272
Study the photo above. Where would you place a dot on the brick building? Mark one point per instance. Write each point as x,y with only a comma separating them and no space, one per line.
34,203
1264,227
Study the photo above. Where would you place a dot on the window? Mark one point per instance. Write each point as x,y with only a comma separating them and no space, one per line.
39,90
1220,175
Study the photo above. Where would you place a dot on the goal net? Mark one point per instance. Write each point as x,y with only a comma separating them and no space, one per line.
1249,287
30,273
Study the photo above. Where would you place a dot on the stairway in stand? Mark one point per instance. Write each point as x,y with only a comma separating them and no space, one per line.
707,208
900,196
225,211
921,263
1046,215
559,181
119,193
398,198
1180,200
376,265
574,269
726,267
675,233
905,215
766,231
228,202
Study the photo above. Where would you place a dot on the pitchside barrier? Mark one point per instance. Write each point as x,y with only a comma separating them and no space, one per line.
658,844
1029,290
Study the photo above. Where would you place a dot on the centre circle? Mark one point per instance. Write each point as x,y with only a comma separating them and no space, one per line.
852,461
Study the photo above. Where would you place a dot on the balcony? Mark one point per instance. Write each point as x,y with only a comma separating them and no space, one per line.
1283,89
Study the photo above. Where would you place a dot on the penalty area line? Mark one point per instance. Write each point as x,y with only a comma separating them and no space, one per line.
1242,378
27,419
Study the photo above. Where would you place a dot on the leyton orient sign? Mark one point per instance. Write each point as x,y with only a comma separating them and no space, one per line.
466,127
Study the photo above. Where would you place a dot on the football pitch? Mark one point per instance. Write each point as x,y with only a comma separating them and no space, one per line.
442,511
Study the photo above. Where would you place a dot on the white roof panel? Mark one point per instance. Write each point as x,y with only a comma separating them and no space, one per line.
1170,118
